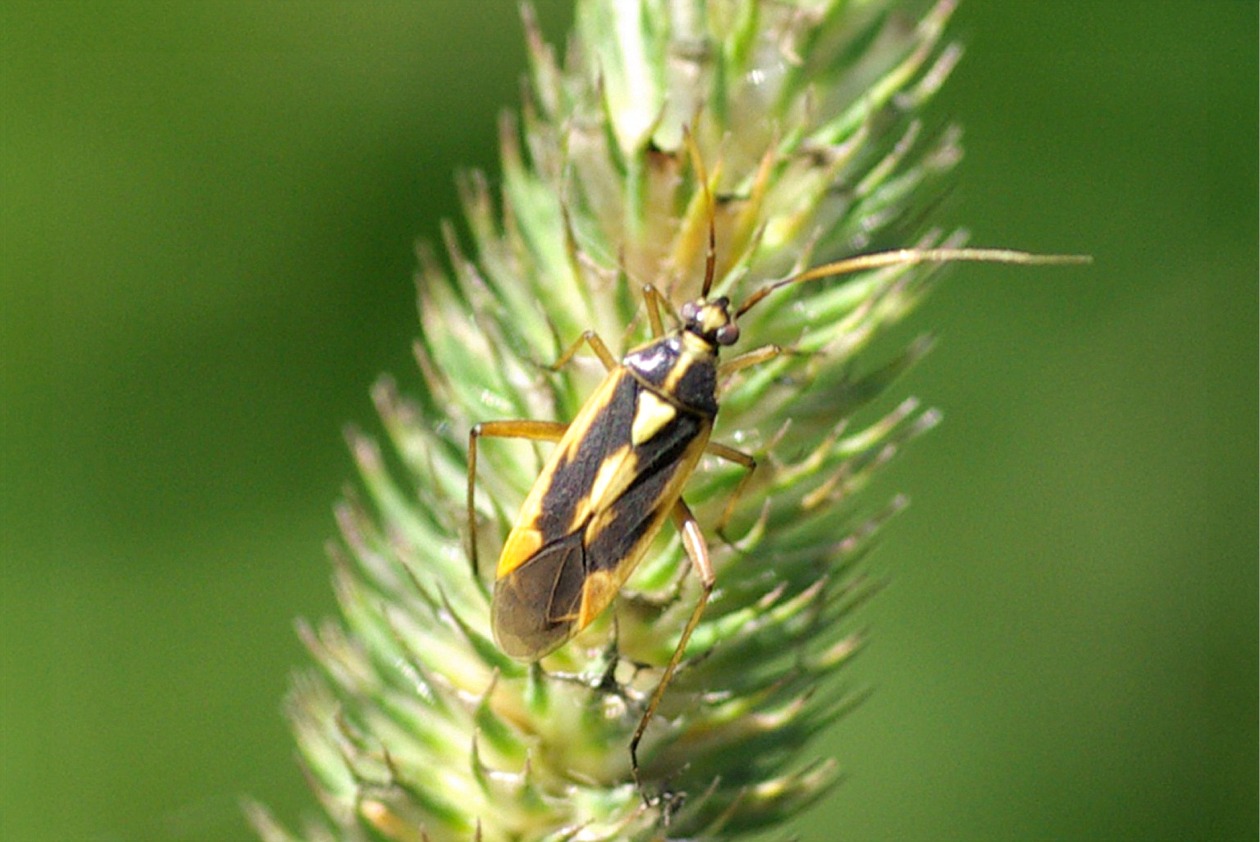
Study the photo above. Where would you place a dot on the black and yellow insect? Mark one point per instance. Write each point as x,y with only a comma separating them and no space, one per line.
619,467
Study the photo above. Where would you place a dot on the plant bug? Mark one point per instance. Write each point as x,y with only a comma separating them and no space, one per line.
618,469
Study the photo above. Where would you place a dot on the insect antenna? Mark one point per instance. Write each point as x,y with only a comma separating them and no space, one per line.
702,175
910,257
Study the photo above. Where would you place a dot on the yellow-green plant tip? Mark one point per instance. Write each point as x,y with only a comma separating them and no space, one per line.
809,147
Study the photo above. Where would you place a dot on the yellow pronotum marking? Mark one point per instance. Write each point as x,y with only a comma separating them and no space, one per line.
650,416
694,352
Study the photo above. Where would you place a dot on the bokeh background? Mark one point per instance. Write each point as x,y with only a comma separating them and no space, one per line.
207,213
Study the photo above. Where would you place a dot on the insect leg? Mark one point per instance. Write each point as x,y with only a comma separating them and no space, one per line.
745,460
592,339
698,553
534,430
750,358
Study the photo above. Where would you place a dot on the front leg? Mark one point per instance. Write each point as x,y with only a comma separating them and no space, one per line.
745,460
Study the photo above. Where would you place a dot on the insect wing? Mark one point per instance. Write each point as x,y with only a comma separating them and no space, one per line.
603,495
537,605
619,532
559,502
542,570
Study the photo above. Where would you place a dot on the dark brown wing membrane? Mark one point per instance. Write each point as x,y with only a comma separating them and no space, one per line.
552,578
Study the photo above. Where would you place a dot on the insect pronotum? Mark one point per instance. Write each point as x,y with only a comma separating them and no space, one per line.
618,469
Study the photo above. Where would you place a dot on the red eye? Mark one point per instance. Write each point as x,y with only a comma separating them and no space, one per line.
727,334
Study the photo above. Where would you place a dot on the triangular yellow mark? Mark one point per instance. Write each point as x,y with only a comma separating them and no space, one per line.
650,416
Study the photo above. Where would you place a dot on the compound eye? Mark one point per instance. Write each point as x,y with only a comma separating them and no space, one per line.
689,311
727,334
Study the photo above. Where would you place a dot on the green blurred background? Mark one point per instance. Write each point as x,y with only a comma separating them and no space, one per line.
208,212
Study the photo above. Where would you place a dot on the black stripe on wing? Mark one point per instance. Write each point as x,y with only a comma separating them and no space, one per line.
641,506
607,432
